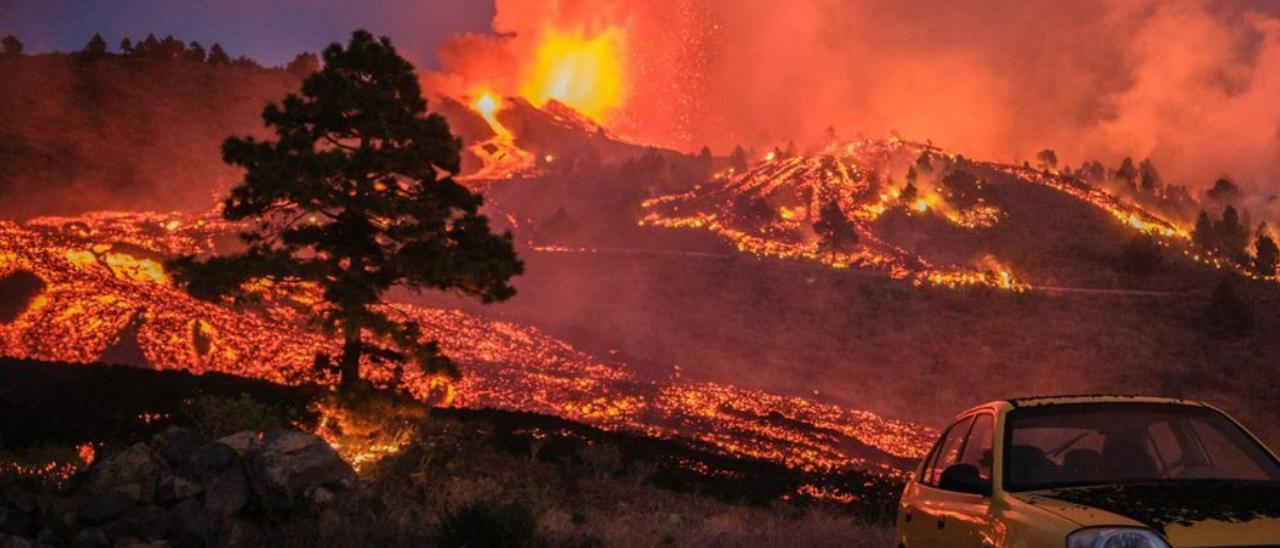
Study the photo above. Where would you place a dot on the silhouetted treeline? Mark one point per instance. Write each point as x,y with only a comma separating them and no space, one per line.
168,48
136,127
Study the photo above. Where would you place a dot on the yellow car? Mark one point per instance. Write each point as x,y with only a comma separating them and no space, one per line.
1093,472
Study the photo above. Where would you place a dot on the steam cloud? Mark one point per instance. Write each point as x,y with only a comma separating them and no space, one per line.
1192,84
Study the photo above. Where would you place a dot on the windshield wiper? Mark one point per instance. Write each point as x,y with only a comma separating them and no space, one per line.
1067,445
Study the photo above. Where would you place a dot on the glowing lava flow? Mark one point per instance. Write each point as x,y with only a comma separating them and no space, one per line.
771,211
99,287
501,157
1127,213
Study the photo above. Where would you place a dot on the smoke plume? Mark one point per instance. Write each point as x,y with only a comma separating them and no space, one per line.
1190,84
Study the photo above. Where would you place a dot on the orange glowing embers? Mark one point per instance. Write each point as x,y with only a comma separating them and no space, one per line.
770,211
85,304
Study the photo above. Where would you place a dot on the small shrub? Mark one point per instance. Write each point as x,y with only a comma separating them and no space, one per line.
489,525
1228,315
218,416
1141,255
602,459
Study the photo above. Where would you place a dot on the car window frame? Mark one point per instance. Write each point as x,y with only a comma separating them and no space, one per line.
969,435
935,454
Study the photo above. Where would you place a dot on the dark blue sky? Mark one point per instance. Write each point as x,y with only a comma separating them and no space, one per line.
271,31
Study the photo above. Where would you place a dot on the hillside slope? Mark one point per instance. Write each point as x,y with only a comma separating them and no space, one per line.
123,132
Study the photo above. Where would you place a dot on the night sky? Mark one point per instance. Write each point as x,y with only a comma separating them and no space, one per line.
270,31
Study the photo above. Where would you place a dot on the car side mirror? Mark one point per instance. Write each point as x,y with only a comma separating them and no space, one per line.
964,478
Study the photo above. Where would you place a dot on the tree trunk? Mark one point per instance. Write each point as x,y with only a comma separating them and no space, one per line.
349,367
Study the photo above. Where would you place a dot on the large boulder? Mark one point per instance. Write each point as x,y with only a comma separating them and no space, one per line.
192,525
242,442
105,506
174,488
287,467
210,461
226,493
142,522
134,472
177,445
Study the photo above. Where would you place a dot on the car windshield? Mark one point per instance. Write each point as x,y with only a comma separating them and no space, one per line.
1091,444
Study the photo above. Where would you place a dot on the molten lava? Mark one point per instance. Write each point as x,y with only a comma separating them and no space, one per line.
771,210
100,289
501,157
583,71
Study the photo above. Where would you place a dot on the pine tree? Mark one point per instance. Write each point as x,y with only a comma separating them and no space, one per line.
217,56
1047,159
149,47
356,195
172,48
10,46
1203,234
1128,173
1266,255
95,49
195,52
126,46
738,160
835,232
1149,178
909,194
304,64
1232,236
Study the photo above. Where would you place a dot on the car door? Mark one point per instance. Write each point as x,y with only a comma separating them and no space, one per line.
921,501
963,520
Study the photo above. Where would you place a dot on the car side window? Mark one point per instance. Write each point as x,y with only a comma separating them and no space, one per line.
977,450
948,451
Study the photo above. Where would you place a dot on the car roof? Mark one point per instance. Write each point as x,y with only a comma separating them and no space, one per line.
1070,399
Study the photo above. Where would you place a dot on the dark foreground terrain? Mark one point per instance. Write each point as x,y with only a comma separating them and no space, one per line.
425,476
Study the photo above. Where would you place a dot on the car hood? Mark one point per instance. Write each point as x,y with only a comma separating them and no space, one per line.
1198,513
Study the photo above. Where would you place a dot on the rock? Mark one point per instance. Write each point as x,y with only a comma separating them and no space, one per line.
135,543
226,493
322,496
106,506
20,498
238,532
93,537
288,465
142,522
173,488
209,461
242,442
192,525
135,472
15,522
13,541
50,537
179,444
